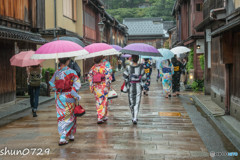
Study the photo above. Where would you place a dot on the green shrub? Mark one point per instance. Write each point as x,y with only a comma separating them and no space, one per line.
198,85
190,60
202,61
51,72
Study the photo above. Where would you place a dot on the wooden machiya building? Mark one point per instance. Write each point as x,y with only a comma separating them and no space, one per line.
188,14
113,31
221,25
19,19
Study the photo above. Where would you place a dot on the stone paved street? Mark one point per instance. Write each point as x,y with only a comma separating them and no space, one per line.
164,137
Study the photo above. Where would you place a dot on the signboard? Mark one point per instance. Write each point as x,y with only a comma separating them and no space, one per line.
208,35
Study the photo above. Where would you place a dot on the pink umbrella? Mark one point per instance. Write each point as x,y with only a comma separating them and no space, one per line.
59,49
98,49
23,59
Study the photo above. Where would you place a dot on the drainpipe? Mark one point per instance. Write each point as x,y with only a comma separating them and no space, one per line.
55,17
217,10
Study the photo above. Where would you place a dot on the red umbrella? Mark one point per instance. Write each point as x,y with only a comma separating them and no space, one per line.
23,59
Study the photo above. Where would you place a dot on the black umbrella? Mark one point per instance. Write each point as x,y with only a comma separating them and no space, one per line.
73,39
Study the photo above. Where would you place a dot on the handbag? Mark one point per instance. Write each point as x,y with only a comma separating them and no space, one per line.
79,110
112,94
124,88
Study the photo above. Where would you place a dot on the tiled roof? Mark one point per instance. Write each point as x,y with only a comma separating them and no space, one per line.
146,26
17,34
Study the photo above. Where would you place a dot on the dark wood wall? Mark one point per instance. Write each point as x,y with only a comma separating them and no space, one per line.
236,65
218,69
7,72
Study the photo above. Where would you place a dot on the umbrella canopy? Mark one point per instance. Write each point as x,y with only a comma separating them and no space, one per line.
59,49
126,55
117,47
179,50
72,39
98,49
23,59
141,49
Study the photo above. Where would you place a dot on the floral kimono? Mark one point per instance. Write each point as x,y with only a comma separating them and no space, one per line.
166,72
100,89
148,71
65,100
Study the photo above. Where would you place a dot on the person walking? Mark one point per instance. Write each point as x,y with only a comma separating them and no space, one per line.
34,81
166,72
73,65
148,71
66,84
134,77
119,64
158,69
176,76
100,78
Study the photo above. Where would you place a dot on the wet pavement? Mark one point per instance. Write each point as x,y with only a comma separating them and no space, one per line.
159,135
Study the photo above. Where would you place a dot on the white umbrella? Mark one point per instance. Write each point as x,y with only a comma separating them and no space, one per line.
180,50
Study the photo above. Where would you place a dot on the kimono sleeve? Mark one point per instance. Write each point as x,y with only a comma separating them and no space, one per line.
160,69
143,74
90,78
172,68
76,86
52,82
126,74
108,74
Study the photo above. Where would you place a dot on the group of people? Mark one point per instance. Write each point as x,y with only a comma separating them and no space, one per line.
66,84
170,72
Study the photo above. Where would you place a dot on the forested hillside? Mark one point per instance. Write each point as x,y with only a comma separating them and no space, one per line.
121,9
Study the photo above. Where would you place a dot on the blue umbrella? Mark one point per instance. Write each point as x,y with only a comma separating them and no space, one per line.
166,54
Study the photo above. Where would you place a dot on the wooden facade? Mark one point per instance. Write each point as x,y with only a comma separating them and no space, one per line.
188,15
17,19
224,69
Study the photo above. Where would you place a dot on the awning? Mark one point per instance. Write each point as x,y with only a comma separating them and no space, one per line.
226,27
20,35
201,27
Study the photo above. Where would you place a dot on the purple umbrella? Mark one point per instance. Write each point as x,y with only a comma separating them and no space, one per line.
117,47
141,49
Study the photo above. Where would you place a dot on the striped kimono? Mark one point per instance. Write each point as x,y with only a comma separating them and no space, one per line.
101,89
65,101
134,86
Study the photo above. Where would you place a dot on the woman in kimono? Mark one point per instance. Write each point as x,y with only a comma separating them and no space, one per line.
178,66
148,71
135,78
65,83
166,72
100,88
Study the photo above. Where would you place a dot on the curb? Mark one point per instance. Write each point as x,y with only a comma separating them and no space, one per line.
233,139
9,114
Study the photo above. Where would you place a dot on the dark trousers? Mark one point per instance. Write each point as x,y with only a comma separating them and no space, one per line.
176,82
34,96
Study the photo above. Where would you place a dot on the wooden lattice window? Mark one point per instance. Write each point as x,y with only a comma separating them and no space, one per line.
69,9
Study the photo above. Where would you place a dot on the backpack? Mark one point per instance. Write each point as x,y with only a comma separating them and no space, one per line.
35,77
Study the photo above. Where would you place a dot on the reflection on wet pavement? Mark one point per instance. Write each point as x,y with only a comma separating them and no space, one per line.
155,137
